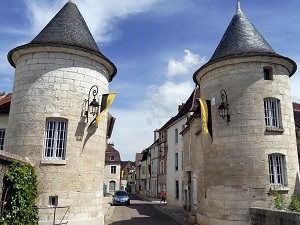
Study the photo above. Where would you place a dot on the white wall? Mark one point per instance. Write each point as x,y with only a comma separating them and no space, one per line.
172,174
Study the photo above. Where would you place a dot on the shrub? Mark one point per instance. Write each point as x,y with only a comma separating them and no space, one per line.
294,205
21,188
279,200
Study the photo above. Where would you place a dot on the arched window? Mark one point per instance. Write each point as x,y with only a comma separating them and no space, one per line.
112,185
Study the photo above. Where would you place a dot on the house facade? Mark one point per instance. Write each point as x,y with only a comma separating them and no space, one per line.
154,169
112,170
5,100
48,123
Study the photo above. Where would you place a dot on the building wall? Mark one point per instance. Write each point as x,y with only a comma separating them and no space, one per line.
236,161
51,84
154,171
175,147
111,176
3,121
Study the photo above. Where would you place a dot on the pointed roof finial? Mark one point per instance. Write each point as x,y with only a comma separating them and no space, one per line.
238,7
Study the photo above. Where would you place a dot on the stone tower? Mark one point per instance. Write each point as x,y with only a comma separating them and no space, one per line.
255,152
47,124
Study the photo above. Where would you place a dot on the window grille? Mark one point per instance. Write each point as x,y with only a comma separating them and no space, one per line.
55,140
2,136
272,113
276,169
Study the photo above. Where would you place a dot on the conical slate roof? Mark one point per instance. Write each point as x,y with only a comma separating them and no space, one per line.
67,29
241,37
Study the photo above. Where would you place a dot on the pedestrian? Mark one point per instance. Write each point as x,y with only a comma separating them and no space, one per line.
163,196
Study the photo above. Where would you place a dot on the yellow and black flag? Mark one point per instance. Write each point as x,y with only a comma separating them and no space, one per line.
106,101
206,116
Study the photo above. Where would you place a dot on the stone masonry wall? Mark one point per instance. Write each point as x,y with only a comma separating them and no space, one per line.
236,161
112,177
56,85
260,216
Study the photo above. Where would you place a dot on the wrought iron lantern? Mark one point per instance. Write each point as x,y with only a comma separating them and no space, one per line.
224,107
92,106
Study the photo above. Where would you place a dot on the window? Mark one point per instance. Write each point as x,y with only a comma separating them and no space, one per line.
143,170
176,136
112,158
162,169
268,73
2,136
272,113
113,169
176,161
176,189
55,139
112,185
276,169
53,200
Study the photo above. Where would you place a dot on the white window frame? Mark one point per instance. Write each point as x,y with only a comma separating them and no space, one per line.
277,170
2,138
272,113
113,169
55,141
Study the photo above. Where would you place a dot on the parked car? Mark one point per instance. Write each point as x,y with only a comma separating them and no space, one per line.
120,197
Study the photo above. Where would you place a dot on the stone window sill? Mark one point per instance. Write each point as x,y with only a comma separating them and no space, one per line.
274,130
53,162
279,188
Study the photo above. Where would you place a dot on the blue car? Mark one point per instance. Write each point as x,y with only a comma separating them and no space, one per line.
120,197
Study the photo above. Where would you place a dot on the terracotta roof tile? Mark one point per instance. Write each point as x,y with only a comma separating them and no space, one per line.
5,103
296,107
112,152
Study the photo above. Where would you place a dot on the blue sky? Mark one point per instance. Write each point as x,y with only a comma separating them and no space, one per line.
156,46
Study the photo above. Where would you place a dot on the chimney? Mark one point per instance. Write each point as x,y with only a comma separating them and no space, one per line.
156,135
180,106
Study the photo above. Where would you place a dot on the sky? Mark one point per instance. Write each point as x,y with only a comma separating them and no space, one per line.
156,46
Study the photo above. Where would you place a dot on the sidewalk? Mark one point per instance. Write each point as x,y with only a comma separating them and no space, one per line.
175,212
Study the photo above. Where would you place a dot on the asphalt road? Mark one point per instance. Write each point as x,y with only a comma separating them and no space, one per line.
139,213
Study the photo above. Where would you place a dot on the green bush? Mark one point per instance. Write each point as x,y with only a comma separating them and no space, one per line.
21,187
294,205
279,200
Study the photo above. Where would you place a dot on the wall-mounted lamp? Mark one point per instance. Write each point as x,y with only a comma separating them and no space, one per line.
92,106
224,107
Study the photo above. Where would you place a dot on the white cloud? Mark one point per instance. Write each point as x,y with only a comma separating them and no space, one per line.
133,130
100,15
185,65
164,99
